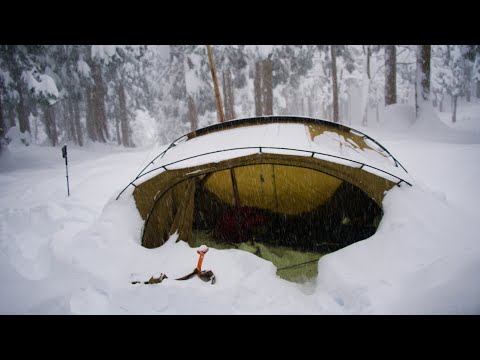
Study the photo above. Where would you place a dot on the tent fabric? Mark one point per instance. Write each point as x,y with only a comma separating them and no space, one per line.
272,187
285,165
173,214
162,198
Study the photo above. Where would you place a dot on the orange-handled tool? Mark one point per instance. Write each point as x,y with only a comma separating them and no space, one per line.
202,251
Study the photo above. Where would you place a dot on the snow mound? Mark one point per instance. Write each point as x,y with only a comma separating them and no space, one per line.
429,124
15,137
423,259
398,117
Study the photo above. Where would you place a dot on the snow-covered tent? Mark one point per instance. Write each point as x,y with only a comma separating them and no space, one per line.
299,182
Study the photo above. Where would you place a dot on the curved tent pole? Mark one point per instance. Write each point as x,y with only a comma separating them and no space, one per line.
274,148
151,162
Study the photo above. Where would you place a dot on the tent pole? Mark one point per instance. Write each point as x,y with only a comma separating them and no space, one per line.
235,188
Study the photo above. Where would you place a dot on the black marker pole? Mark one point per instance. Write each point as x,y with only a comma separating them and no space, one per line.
64,155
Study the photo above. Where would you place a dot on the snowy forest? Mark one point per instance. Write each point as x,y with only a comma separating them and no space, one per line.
145,94
337,224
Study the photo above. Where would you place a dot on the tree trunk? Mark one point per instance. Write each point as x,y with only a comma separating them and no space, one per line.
267,87
76,120
90,119
366,88
50,125
35,130
117,119
225,96
454,112
422,83
390,75
440,104
468,76
117,129
21,110
192,113
2,124
220,115
333,53
349,107
478,89
68,117
310,106
347,110
125,129
228,99
231,94
98,102
258,88
10,116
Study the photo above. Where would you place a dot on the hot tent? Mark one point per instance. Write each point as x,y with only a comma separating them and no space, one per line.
304,183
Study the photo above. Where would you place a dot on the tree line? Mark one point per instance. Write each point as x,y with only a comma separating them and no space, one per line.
91,93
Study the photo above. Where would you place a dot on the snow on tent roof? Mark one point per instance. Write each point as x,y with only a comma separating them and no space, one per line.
275,134
280,164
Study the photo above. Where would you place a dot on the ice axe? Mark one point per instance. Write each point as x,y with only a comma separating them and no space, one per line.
205,275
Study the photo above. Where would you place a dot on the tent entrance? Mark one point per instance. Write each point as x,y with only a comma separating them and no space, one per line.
285,214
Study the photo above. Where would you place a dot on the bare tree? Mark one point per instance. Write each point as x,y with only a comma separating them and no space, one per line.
220,115
390,75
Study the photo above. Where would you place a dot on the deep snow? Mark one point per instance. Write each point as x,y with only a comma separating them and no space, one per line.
78,254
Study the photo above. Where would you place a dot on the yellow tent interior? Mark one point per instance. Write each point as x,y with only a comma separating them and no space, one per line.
285,208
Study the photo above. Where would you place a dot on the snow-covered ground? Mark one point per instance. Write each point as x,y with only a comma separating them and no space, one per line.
79,254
